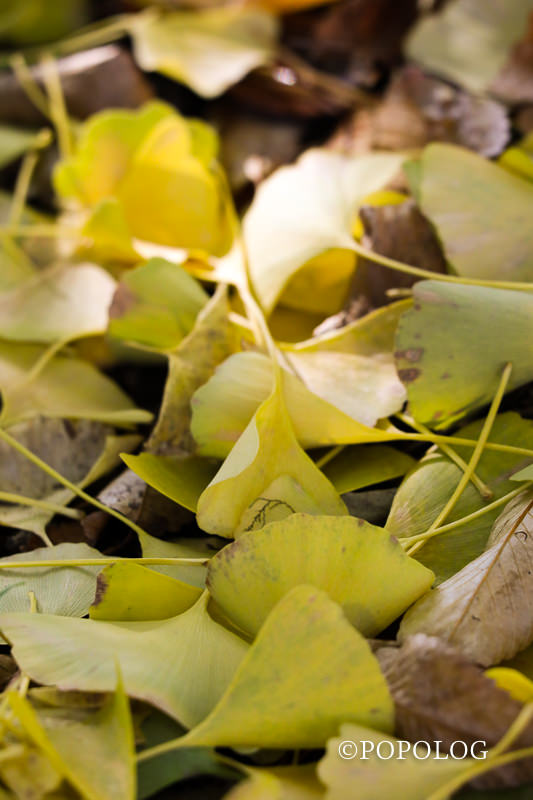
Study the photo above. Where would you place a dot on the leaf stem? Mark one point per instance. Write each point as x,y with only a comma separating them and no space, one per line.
56,508
399,266
96,562
58,109
474,459
482,487
450,526
16,445
494,759
329,456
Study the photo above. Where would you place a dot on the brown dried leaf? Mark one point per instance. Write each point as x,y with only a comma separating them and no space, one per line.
485,609
400,232
441,696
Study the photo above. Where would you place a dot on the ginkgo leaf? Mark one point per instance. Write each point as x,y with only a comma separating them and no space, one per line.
312,206
373,778
94,751
65,387
266,476
67,591
160,168
519,158
359,565
105,149
200,548
27,772
107,235
279,783
131,592
181,665
469,40
156,304
484,609
452,346
365,465
428,487
189,366
81,450
462,194
14,142
181,479
61,303
512,681
207,49
225,404
307,671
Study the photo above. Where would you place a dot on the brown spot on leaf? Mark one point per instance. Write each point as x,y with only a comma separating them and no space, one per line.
101,588
123,300
413,354
408,375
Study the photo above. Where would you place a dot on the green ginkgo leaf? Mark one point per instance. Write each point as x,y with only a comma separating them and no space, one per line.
312,206
190,365
365,465
180,665
307,671
208,49
322,413
429,485
64,387
266,476
480,212
156,304
130,592
452,346
359,565
94,750
61,303
14,141
468,41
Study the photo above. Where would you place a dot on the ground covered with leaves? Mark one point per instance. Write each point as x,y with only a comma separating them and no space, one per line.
266,376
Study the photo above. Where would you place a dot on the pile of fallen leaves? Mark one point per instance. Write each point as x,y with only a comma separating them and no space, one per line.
266,427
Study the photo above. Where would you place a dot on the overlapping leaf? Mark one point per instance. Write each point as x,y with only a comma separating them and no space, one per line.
193,657
208,49
312,206
484,609
272,700
359,565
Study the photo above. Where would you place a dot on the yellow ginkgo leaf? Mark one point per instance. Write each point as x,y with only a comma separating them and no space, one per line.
266,473
225,404
161,170
181,665
279,783
349,773
307,671
518,685
359,565
131,592
94,751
